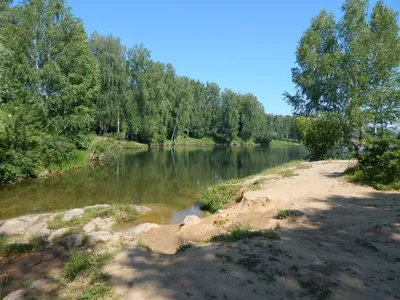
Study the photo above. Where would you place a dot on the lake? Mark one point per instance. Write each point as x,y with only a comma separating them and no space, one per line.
170,180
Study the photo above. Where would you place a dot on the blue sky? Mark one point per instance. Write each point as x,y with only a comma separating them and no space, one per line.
248,46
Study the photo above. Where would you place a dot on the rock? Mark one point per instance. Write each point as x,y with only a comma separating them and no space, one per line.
73,213
20,294
18,226
136,231
191,219
41,287
98,224
57,233
30,225
73,240
98,237
142,209
44,286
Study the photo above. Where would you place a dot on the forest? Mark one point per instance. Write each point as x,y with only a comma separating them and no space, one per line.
348,90
60,87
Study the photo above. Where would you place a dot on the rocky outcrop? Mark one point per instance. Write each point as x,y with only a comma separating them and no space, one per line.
38,288
134,232
98,237
73,213
31,225
98,224
57,233
73,240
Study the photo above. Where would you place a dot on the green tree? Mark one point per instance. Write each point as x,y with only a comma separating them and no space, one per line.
52,66
201,115
182,104
349,68
251,114
212,91
230,115
113,82
148,85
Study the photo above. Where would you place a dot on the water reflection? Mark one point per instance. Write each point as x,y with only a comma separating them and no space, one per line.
172,177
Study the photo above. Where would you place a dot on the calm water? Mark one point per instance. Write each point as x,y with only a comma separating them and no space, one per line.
170,181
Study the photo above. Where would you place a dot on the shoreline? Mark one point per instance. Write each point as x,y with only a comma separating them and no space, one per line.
286,234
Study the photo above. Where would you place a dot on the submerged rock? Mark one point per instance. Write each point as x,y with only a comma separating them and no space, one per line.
142,209
73,240
98,224
136,231
73,213
98,237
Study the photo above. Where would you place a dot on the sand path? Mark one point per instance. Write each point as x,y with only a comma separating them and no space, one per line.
341,242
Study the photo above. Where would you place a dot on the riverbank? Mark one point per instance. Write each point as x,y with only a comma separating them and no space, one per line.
300,230
99,149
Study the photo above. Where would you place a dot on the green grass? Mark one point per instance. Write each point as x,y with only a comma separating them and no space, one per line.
184,247
277,143
183,140
282,214
241,232
80,159
357,176
257,184
287,169
119,213
80,261
11,245
99,288
216,196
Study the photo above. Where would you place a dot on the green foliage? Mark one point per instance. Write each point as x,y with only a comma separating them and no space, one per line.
82,261
347,70
184,247
99,288
77,262
8,245
241,232
214,197
324,135
57,87
282,214
379,163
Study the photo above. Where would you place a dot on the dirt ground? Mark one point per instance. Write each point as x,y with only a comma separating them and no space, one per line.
340,241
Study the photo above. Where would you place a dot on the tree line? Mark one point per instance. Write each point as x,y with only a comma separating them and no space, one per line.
348,88
58,86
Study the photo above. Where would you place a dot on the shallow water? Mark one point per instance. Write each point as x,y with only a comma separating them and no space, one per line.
170,181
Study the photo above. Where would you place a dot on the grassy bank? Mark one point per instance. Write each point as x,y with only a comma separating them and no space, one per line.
188,141
277,143
207,141
216,196
98,149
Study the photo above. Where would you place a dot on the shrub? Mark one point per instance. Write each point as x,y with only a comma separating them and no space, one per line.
214,197
324,135
77,263
379,163
282,214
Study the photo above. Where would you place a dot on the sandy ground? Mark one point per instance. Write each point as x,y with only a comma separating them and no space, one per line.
341,242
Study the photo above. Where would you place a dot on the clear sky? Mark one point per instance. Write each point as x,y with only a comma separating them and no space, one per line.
246,45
